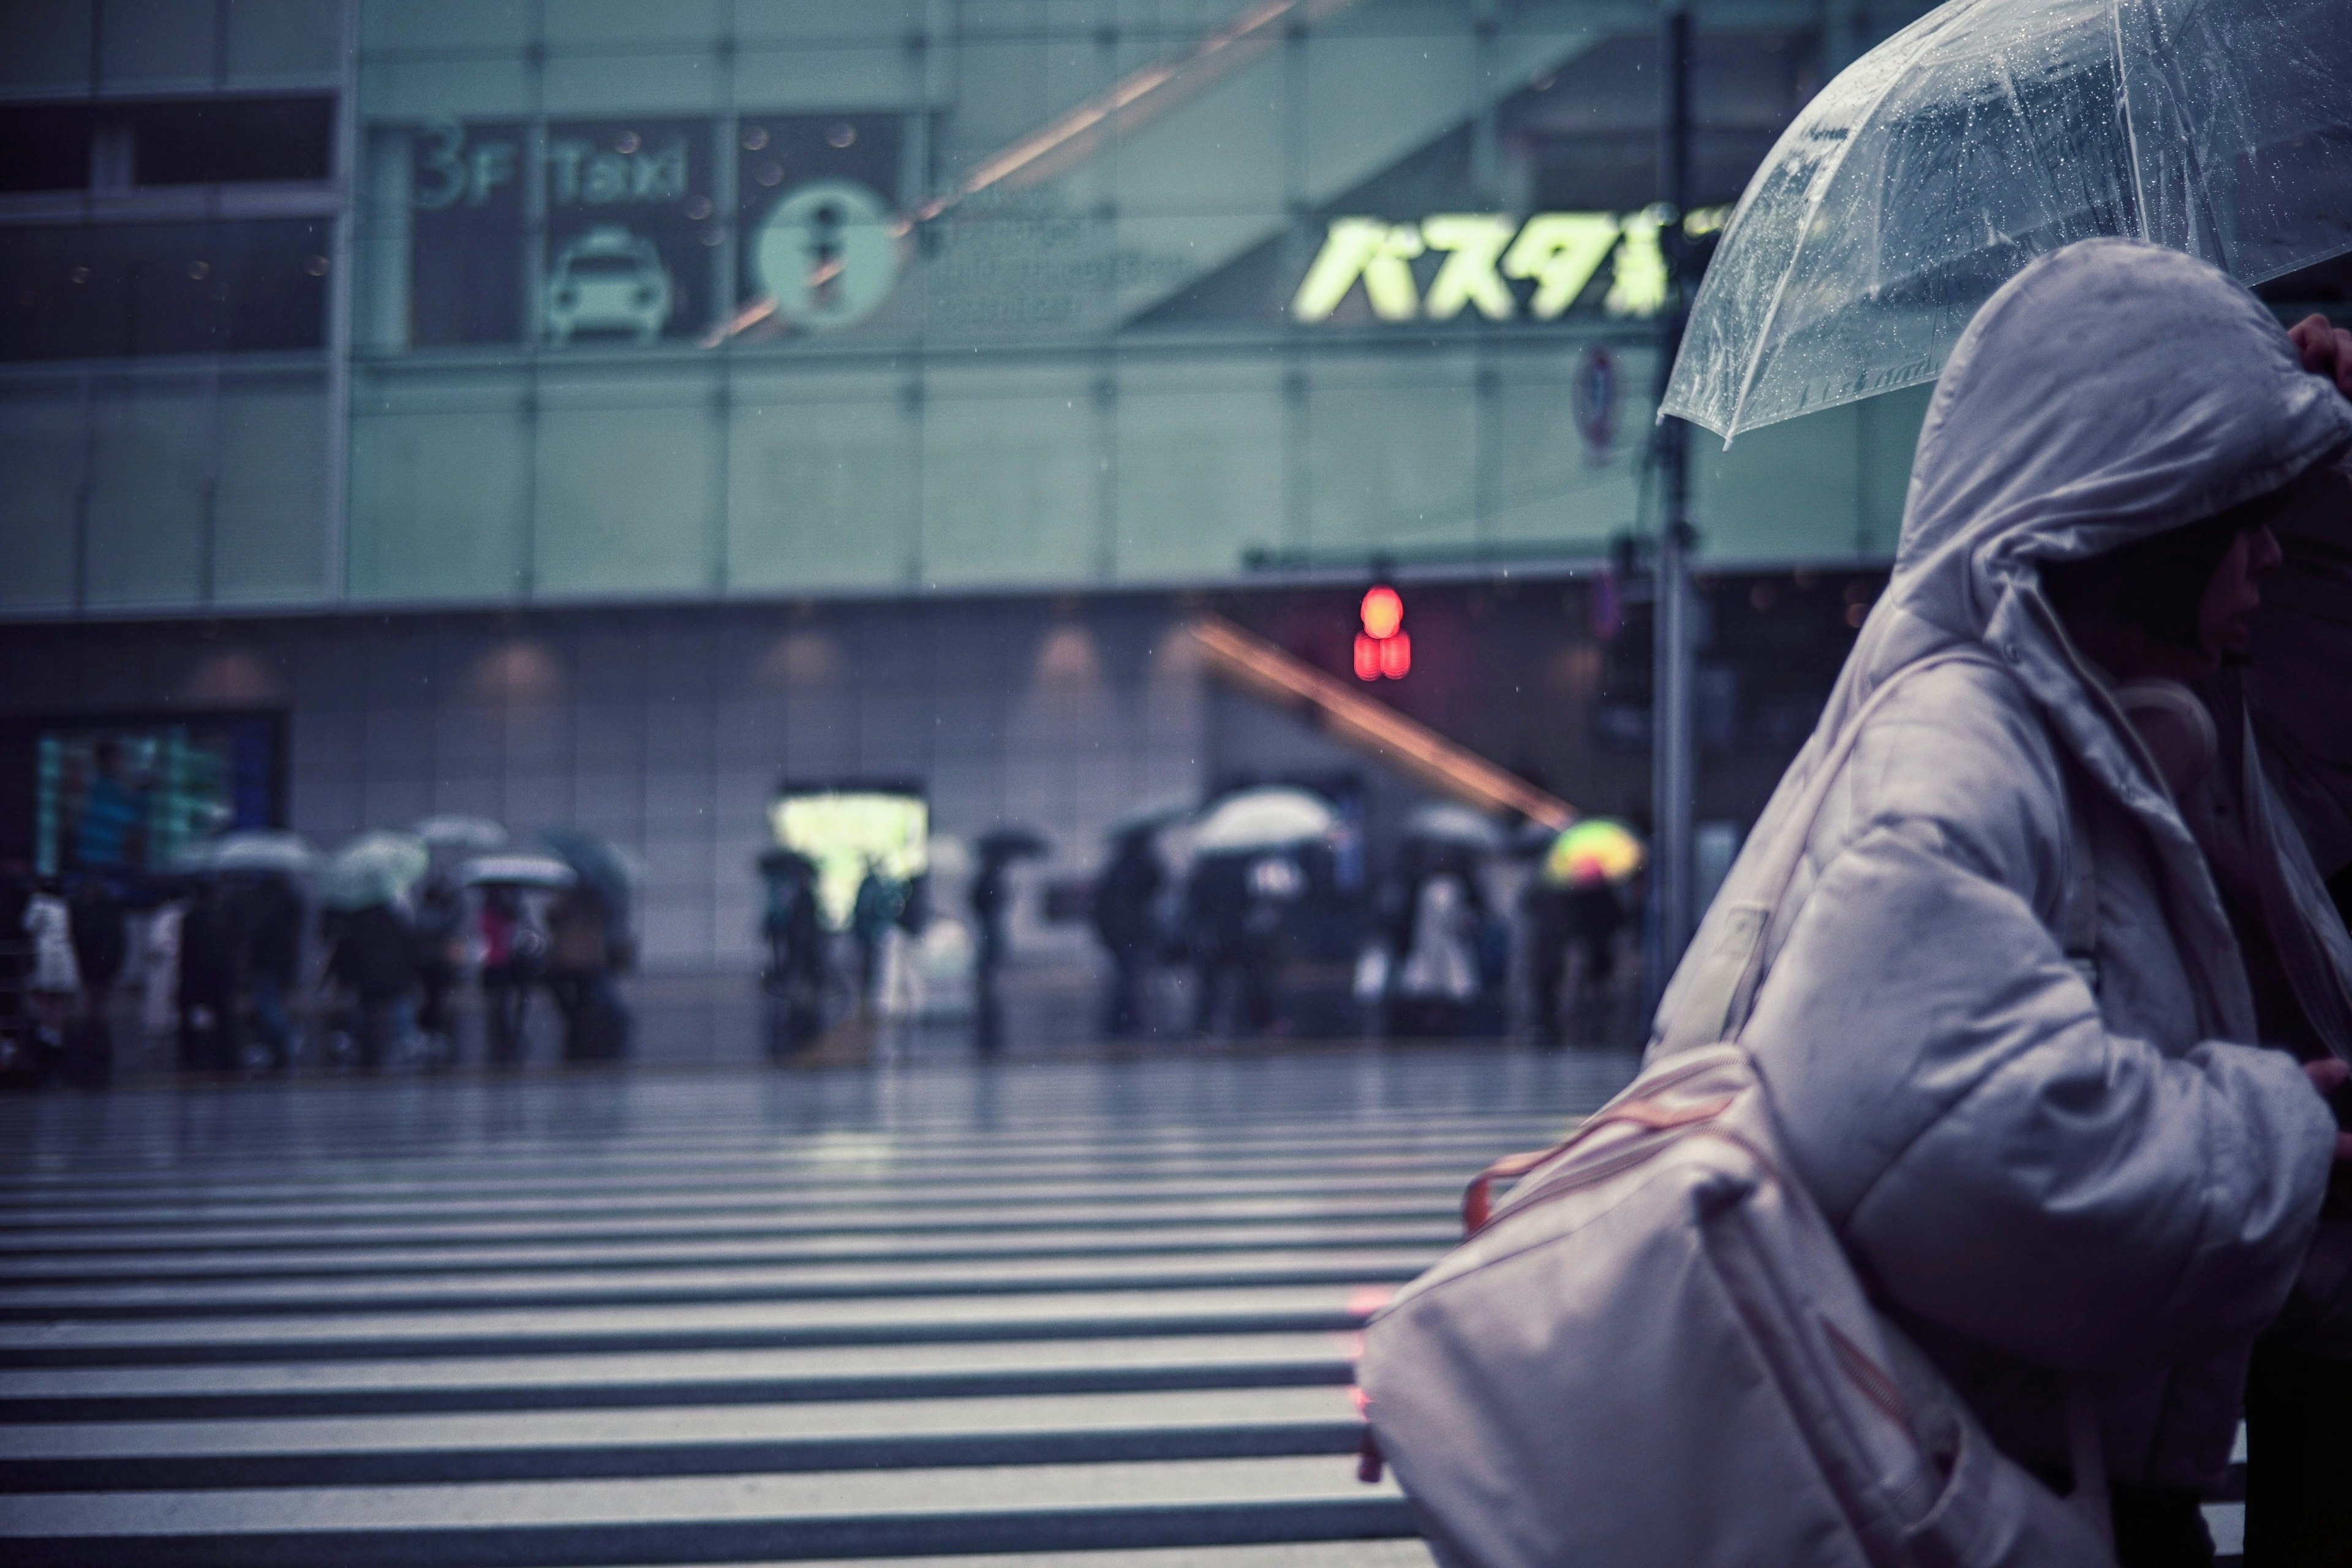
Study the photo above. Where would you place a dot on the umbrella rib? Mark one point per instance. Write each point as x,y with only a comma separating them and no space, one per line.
2131,123
1813,206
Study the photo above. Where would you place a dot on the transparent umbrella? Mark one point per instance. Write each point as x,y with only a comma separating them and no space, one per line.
516,871
1444,822
249,850
1268,818
374,868
468,835
1990,133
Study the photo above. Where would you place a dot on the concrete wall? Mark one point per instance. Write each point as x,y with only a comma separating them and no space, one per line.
667,731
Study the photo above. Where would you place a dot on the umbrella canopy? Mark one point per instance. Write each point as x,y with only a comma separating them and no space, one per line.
1597,850
1269,817
1444,822
599,863
516,871
374,868
1992,132
472,834
257,849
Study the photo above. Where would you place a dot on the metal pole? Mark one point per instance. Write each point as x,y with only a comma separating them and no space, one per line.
1670,784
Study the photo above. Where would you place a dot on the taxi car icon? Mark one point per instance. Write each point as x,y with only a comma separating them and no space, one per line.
607,282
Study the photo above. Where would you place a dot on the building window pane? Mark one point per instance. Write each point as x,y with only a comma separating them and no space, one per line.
226,140
106,290
47,147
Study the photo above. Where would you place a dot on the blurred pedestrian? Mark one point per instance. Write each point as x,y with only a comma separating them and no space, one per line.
512,948
989,896
375,961
211,976
871,915
1232,972
903,991
109,834
1126,897
159,966
794,928
55,985
101,943
273,936
1437,982
15,960
579,976
439,924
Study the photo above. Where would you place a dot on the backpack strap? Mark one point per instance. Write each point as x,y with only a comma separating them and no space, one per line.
1721,992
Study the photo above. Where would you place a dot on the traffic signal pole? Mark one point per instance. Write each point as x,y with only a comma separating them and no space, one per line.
1671,768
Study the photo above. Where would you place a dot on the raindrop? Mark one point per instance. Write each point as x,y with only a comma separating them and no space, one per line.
626,141
768,173
698,209
199,270
316,266
754,138
79,274
841,135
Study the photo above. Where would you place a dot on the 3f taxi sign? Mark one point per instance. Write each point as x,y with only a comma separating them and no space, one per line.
1484,254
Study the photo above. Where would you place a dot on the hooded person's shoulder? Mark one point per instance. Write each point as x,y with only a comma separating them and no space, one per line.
1961,750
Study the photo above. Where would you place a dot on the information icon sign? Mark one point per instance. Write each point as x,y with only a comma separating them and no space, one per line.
827,256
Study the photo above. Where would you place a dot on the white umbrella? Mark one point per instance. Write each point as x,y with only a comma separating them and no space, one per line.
249,850
374,868
1444,822
517,872
449,831
261,849
1264,818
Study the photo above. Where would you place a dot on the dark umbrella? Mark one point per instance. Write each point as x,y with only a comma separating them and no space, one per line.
599,864
1011,843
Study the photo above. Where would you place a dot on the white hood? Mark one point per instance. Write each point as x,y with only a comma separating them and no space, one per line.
2062,429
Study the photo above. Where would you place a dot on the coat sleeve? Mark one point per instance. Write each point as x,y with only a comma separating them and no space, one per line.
2075,1199
2000,1162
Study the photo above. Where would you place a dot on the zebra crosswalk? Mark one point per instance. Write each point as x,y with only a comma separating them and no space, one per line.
1060,1313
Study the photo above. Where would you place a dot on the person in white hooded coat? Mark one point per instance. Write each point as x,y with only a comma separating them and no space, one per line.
2003,1022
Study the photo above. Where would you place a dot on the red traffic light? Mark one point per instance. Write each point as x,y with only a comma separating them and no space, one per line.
1383,648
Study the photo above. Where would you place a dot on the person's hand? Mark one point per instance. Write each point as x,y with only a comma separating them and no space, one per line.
2328,1075
2325,347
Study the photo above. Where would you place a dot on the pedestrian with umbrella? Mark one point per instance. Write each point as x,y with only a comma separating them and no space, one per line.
102,944
1124,909
1980,961
513,948
990,897
1243,876
1902,207
272,920
373,945
587,941
795,929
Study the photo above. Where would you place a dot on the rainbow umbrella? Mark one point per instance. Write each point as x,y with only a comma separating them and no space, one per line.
1596,850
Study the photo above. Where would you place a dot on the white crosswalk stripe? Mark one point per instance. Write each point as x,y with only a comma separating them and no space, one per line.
1068,1314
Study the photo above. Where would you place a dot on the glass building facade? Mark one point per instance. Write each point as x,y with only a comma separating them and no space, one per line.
525,302
596,411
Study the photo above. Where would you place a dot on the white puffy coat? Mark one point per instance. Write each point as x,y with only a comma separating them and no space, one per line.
2049,1174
